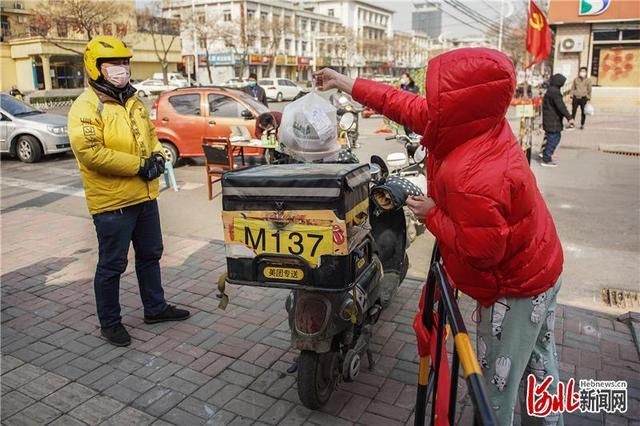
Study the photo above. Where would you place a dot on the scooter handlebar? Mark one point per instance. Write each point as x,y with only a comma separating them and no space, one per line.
390,138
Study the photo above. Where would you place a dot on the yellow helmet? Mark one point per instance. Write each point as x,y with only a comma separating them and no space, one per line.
103,47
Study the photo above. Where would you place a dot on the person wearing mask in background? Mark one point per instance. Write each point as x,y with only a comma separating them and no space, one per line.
553,111
16,93
408,85
580,94
120,160
254,90
496,235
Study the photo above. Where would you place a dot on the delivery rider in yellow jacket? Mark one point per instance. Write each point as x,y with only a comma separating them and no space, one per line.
120,160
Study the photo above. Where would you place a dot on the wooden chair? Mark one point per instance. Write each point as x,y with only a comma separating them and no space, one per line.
219,158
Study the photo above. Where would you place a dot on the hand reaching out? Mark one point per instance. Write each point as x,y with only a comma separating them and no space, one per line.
327,79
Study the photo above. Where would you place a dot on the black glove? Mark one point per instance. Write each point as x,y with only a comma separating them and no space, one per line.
393,193
160,161
149,169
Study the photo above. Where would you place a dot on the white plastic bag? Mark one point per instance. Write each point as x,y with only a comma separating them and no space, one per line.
588,109
308,129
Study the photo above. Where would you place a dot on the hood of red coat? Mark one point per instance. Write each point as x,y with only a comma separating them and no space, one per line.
468,91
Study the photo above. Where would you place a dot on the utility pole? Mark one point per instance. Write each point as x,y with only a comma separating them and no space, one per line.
196,62
243,38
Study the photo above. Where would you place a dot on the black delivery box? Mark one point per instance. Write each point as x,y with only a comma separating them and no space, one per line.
300,224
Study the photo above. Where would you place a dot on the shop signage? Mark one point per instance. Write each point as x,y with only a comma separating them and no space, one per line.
259,59
593,7
223,58
286,60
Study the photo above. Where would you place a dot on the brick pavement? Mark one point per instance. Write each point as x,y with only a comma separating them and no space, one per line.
219,367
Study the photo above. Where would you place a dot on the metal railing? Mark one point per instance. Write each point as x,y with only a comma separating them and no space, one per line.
438,292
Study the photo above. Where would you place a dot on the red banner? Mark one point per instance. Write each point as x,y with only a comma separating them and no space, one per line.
538,35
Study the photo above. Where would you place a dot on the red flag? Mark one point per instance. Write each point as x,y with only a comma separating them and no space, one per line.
538,35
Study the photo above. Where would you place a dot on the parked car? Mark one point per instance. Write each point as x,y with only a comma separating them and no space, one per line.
152,87
186,117
235,83
280,89
29,133
175,79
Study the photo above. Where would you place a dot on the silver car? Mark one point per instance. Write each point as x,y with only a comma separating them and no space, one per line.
30,133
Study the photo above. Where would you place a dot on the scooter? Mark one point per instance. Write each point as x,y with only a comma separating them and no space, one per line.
332,308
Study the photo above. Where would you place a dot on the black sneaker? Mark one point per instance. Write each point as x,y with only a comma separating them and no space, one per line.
116,335
171,313
548,163
582,127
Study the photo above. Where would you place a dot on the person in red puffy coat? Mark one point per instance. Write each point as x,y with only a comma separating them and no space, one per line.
497,238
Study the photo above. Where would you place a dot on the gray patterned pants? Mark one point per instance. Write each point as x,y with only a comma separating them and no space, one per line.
515,339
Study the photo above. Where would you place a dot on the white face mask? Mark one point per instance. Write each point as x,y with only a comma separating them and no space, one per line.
118,75
583,74
404,81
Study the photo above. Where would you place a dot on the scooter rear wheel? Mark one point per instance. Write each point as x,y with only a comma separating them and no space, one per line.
317,375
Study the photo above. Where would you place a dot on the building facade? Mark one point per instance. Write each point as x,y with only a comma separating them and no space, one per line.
602,36
283,39
37,55
427,18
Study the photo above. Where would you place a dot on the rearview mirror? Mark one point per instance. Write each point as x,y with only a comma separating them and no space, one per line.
247,115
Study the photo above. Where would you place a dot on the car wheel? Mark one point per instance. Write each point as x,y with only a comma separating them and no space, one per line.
142,93
28,149
170,152
279,97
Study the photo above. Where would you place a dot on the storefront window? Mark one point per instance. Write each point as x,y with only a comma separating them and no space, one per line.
630,34
605,35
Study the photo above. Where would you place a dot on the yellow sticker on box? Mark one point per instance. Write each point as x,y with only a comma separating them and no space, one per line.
279,273
264,237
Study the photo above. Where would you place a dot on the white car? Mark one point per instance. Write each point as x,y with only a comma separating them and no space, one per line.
152,87
175,79
235,83
280,89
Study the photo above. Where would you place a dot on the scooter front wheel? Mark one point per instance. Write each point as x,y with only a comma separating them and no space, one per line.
317,376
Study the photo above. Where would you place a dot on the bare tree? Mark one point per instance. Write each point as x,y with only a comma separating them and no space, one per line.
514,35
164,33
272,31
85,18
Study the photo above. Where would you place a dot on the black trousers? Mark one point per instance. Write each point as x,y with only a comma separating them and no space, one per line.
579,102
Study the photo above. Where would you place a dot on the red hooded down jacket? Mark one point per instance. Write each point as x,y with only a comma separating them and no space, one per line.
496,235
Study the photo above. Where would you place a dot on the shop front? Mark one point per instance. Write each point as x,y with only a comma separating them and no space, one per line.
602,36
286,66
304,68
259,64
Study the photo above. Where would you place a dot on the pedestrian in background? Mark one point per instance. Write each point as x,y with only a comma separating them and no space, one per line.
497,238
408,85
553,112
580,95
120,160
16,93
254,90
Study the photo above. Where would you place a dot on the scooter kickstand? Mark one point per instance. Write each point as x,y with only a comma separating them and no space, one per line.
293,367
370,360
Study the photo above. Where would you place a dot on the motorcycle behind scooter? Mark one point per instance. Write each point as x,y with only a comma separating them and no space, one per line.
410,165
332,234
348,120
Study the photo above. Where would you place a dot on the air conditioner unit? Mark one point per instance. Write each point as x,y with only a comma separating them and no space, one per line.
572,44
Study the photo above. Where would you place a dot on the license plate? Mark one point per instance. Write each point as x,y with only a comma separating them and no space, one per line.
278,273
307,241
